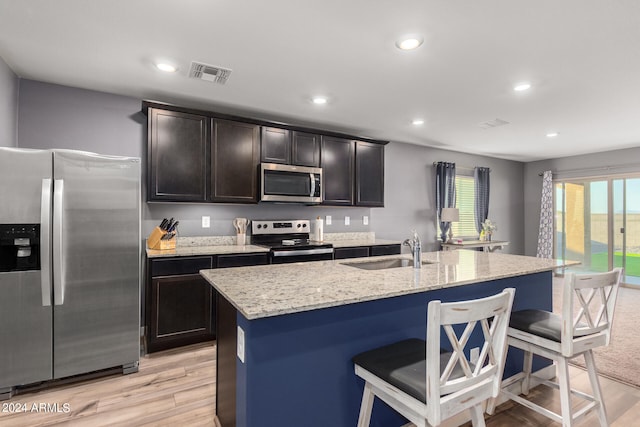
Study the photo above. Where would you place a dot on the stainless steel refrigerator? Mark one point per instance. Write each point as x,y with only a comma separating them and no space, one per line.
69,265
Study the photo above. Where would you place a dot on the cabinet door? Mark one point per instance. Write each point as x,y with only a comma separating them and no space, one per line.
177,156
305,149
369,174
235,158
276,145
181,311
337,160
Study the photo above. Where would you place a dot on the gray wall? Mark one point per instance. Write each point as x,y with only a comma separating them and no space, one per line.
53,116
599,164
8,106
410,194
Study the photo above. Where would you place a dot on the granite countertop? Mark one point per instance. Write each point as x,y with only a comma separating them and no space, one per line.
271,290
219,245
205,250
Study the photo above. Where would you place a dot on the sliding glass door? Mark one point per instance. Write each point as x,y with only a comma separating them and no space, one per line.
597,222
626,227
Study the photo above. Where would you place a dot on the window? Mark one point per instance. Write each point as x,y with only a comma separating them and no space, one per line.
465,202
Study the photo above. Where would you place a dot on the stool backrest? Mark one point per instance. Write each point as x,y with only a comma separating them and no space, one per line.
450,391
588,305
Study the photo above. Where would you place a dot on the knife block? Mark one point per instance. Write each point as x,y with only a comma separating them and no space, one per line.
154,241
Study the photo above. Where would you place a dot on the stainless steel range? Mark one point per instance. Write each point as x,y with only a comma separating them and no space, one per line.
289,241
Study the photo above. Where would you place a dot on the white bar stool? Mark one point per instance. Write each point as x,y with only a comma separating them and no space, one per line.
427,385
561,338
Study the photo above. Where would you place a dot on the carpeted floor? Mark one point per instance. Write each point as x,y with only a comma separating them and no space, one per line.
621,359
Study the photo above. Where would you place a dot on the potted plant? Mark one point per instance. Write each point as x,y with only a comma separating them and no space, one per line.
488,227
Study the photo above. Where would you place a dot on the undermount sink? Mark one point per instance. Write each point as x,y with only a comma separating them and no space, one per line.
383,264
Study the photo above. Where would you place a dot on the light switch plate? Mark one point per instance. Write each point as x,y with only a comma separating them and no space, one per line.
240,351
347,220
327,220
365,220
206,221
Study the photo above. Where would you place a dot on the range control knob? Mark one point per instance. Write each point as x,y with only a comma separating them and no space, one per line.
265,225
299,225
304,225
259,226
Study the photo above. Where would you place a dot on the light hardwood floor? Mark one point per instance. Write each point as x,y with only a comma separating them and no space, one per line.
177,388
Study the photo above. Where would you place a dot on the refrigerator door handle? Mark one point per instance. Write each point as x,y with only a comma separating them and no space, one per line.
45,242
58,273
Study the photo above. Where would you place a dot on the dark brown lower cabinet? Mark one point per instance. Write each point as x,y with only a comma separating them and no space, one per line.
181,312
180,308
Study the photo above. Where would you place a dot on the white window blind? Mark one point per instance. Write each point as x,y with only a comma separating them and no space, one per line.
465,202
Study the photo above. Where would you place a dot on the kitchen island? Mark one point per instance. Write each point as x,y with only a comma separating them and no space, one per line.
286,333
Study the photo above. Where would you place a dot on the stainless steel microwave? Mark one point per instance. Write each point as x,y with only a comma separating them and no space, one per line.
286,183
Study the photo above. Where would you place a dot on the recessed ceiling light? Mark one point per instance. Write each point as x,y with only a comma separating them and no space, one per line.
552,134
409,42
166,67
522,87
319,100
417,122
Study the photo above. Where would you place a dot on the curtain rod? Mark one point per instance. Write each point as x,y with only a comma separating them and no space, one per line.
461,167
600,168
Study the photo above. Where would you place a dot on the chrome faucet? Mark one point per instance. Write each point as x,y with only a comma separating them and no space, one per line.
416,249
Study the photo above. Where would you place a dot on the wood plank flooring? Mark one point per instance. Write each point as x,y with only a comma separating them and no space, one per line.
171,388
177,388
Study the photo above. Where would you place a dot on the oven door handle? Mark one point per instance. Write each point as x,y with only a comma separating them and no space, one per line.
303,252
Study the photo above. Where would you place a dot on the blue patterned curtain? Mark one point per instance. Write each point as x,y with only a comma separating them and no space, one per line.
545,234
445,193
481,186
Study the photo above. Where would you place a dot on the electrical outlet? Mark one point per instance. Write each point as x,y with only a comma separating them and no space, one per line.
347,220
206,222
327,220
474,355
365,220
240,348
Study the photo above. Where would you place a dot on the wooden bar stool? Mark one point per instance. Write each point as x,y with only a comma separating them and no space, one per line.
427,385
564,337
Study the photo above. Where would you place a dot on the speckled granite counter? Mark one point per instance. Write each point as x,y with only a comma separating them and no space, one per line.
304,322
273,290
205,250
218,245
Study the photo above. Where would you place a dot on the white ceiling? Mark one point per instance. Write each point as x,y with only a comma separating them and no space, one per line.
581,56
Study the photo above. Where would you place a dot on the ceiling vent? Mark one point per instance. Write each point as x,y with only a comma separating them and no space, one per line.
209,73
493,124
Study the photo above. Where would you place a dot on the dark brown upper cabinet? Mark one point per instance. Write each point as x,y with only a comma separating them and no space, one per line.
369,174
235,155
305,149
337,162
290,147
178,156
276,145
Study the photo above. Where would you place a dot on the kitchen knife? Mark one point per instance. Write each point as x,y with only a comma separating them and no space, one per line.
168,224
163,223
173,227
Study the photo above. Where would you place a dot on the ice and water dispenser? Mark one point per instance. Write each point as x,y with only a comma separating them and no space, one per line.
19,247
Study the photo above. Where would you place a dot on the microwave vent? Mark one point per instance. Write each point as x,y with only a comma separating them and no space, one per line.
209,73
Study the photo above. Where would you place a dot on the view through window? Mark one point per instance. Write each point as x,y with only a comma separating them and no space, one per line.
465,202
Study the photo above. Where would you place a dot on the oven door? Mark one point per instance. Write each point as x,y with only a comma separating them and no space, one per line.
285,183
283,256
